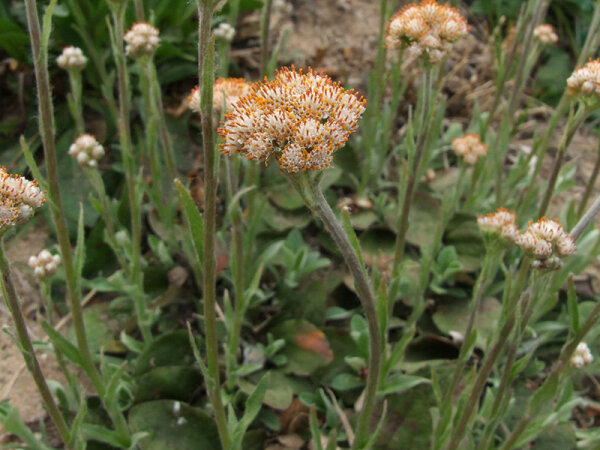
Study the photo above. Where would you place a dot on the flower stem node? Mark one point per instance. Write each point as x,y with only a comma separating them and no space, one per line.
582,356
427,29
44,264
142,40
87,151
19,198
71,58
299,119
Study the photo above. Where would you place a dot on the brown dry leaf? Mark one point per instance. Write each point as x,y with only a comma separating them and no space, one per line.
295,418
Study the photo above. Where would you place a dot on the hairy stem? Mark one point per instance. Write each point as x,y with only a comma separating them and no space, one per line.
12,301
46,128
205,72
321,209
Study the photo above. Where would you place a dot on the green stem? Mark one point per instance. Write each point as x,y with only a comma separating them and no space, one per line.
424,126
46,128
76,95
237,267
572,124
129,165
10,295
482,282
590,187
321,209
165,136
206,75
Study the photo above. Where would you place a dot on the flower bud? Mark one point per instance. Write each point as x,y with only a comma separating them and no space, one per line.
71,58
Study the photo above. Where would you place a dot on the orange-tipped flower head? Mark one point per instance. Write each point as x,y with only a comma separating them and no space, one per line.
299,119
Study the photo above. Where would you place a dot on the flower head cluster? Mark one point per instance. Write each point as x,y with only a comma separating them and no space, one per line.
298,118
142,40
499,224
545,34
585,82
44,264
18,198
224,31
226,92
582,356
427,29
546,241
71,58
469,147
86,150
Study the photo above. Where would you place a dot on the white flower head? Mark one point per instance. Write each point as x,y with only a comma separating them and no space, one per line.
224,31
18,198
584,83
582,356
142,40
427,29
44,264
87,151
226,93
71,58
545,34
469,147
546,239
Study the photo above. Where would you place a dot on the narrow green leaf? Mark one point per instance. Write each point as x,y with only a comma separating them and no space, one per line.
352,236
132,344
101,434
69,350
11,421
193,219
314,428
252,407
30,160
76,424
401,383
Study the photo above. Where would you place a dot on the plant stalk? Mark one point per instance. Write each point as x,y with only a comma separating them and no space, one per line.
12,301
206,75
572,124
321,209
46,128
424,126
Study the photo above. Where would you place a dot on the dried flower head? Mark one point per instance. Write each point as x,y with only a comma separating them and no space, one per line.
86,150
499,224
427,29
545,239
142,39
226,92
224,31
18,198
585,82
545,34
71,58
300,119
44,264
469,147
582,356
